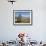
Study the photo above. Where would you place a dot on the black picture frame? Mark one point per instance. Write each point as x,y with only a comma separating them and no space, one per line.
24,12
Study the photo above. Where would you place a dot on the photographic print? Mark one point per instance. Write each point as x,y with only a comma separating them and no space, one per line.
22,16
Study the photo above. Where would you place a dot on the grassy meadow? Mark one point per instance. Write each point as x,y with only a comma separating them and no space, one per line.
22,20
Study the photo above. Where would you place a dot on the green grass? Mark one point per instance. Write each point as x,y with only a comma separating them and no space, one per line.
23,20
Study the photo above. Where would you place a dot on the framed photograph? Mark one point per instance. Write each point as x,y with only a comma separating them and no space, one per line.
22,17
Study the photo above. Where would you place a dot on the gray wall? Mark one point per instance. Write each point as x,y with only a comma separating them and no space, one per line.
38,30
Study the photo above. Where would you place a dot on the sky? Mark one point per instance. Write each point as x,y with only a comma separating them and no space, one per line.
25,14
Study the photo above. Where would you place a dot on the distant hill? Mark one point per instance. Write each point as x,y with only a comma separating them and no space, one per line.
25,19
